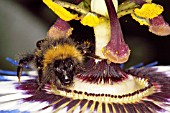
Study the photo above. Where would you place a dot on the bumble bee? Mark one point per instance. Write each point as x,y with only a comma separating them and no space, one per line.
56,60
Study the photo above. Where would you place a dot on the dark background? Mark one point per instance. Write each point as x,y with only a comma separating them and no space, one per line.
24,22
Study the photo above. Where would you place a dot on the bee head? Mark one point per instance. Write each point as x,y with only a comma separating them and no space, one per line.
65,70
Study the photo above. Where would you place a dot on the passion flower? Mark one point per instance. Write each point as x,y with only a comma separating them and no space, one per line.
102,88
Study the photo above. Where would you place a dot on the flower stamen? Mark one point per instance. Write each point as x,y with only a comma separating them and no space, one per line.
149,10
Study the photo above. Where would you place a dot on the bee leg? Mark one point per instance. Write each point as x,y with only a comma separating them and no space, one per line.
19,71
45,78
87,49
40,75
41,79
22,62
41,84
38,44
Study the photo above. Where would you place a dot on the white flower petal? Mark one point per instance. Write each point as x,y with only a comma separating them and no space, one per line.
11,97
162,68
8,88
8,105
99,7
26,106
77,110
39,105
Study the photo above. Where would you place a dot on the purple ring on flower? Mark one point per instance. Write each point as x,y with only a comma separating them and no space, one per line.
24,96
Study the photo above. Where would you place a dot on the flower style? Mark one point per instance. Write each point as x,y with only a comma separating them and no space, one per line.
102,86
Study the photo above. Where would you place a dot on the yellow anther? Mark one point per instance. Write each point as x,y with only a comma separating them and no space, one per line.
60,11
91,20
149,10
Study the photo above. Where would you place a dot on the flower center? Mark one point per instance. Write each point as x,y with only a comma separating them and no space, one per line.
113,86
